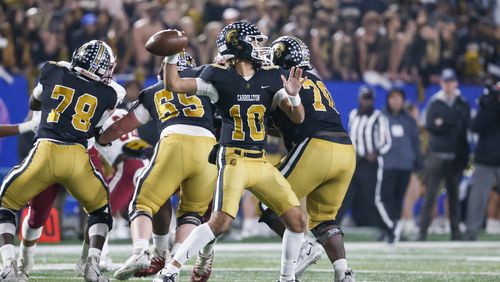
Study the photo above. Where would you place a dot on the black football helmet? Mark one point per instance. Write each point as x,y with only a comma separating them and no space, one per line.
184,61
94,60
241,40
289,51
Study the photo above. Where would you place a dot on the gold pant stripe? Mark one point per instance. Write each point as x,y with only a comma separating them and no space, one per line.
18,170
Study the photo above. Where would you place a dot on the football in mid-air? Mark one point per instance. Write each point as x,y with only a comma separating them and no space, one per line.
166,42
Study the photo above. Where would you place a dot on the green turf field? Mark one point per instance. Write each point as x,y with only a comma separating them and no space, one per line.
412,261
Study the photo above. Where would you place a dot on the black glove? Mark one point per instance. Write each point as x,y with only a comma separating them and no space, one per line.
136,148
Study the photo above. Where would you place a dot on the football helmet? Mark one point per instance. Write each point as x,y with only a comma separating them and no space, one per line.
94,60
184,61
242,40
289,51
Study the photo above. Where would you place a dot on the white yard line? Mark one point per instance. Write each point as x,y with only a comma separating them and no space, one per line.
259,247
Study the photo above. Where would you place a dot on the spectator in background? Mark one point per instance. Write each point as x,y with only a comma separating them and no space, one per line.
208,40
86,32
141,31
426,51
399,162
447,120
230,15
487,159
171,15
186,24
369,132
321,43
345,54
371,43
448,53
273,19
300,23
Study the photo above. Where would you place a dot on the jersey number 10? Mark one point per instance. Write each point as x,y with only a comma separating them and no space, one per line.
84,109
255,118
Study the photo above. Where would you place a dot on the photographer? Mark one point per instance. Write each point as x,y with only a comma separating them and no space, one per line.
487,160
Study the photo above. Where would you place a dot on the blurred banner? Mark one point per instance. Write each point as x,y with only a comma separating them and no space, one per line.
14,106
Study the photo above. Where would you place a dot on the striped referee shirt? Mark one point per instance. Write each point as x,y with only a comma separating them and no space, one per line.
369,132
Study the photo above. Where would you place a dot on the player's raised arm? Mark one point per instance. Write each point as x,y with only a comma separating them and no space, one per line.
292,106
172,80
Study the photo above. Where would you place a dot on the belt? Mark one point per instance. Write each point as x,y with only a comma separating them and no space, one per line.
249,155
330,134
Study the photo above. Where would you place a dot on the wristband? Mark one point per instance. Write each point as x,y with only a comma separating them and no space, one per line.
294,100
172,59
26,127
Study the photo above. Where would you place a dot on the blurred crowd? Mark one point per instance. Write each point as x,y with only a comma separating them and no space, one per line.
377,41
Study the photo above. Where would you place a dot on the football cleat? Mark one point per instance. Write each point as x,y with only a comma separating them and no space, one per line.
157,263
133,264
92,271
164,276
348,276
25,267
310,253
9,272
80,267
106,264
202,268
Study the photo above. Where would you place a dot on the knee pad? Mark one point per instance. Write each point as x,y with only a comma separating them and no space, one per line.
101,215
189,218
325,230
7,216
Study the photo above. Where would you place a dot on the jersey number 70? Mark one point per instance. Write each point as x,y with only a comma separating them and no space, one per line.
84,108
319,88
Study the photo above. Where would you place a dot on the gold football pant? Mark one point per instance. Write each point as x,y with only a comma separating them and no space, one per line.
179,161
238,172
321,171
52,162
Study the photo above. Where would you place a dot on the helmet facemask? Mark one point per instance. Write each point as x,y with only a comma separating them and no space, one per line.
262,54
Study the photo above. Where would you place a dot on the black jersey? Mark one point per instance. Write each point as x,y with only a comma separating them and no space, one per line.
168,108
71,105
243,105
320,113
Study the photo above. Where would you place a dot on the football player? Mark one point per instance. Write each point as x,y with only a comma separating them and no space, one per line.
320,164
179,160
75,99
243,92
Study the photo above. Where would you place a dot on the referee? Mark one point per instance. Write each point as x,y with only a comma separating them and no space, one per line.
369,132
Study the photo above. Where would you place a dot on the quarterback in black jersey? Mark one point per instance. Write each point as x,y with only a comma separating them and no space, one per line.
320,162
243,92
75,99
179,162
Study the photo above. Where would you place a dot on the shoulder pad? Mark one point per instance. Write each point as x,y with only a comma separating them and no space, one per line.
224,67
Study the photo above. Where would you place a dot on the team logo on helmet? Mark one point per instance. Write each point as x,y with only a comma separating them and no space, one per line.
232,37
279,49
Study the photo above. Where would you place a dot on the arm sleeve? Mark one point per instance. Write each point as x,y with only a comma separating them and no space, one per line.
204,88
37,92
141,113
120,92
104,117
278,98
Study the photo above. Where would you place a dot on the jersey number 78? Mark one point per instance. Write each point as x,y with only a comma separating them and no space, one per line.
84,109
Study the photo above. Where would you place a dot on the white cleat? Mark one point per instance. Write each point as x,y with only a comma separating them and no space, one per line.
92,271
25,267
310,253
80,267
106,264
348,276
9,273
164,276
133,264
